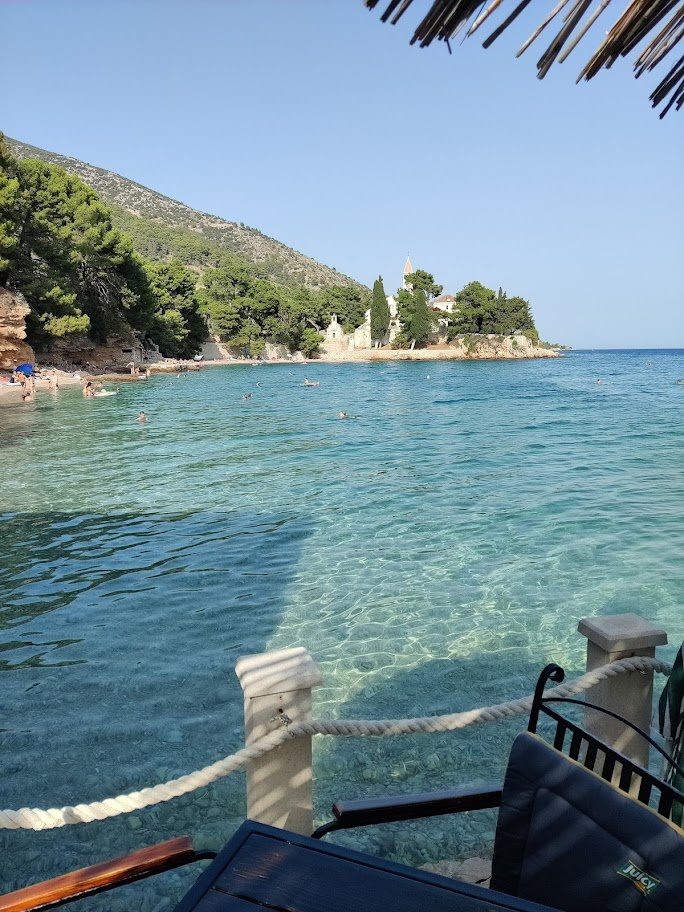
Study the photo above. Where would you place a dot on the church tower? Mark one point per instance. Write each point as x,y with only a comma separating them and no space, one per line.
408,269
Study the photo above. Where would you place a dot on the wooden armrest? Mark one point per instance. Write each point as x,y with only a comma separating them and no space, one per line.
151,860
410,807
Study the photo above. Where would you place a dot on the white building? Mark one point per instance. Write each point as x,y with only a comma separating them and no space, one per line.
337,340
446,303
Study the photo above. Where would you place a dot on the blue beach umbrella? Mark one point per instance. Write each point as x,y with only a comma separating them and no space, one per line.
671,722
25,369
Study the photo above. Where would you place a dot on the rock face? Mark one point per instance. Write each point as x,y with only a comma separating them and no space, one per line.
492,346
470,347
13,349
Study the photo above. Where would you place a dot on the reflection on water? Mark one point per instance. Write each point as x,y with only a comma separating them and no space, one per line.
432,555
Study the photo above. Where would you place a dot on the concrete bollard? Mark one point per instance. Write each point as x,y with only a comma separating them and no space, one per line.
277,688
614,637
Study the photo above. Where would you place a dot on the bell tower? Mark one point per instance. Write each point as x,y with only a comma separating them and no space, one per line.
408,269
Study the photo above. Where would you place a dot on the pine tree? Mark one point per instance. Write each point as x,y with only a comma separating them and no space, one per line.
420,322
9,199
380,312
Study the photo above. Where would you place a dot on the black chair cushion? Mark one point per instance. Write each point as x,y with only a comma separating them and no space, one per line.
570,840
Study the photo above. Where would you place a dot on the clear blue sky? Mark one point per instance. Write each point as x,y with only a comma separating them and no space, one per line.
315,123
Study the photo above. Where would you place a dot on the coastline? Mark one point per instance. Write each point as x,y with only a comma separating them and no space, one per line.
483,348
473,347
428,354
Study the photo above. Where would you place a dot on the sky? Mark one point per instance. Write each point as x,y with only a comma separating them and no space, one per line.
320,126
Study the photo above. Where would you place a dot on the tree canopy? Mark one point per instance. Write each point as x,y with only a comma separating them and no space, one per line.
423,281
482,310
80,273
414,310
380,312
245,312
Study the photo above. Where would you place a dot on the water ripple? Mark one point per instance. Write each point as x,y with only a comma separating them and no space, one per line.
432,555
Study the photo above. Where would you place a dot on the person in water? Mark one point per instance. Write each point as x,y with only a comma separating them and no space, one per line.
141,417
88,389
343,415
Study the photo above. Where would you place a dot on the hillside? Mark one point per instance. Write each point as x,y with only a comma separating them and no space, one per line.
162,228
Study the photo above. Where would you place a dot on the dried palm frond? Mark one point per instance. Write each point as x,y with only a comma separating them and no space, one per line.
660,23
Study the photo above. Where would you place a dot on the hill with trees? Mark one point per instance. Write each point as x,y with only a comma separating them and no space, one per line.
63,248
96,255
163,228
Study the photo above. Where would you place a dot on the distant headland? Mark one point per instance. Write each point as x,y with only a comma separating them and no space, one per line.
97,272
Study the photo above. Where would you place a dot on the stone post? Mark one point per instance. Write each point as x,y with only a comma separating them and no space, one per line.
618,636
277,688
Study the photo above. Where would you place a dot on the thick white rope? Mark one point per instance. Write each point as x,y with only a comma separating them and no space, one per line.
38,819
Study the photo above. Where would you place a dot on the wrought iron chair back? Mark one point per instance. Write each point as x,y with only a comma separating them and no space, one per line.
596,755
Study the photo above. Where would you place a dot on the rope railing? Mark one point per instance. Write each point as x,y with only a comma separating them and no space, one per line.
40,819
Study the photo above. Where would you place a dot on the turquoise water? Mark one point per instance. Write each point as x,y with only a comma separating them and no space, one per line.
432,555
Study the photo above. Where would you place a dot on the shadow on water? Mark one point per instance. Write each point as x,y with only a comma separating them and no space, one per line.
118,641
470,758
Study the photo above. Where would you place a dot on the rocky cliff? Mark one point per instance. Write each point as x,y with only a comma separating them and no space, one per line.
471,347
13,313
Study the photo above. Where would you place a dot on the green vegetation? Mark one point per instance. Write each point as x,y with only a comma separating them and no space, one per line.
415,311
380,312
67,253
245,312
86,266
482,310
478,311
177,326
78,272
162,228
60,250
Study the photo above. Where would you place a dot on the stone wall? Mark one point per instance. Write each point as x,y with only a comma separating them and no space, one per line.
216,351
13,349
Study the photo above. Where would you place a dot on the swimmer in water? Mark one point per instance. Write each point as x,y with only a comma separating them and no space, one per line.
247,396
343,415
599,381
141,417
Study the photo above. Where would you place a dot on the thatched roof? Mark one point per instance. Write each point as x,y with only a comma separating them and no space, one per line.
655,26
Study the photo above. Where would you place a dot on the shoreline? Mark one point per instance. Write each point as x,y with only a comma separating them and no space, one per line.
66,379
426,354
489,352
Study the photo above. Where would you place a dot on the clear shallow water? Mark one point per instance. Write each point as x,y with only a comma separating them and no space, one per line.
433,555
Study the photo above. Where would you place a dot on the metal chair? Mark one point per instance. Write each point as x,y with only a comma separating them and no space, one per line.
584,831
